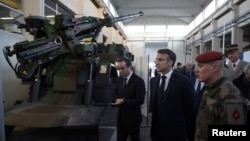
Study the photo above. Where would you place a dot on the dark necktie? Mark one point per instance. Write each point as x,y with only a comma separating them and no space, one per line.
234,65
124,82
124,85
189,73
198,88
162,86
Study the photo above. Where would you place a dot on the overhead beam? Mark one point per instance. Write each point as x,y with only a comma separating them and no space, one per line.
158,8
163,16
154,19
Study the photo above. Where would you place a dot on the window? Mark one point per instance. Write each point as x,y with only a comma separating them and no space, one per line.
209,9
135,28
177,30
220,2
156,28
198,19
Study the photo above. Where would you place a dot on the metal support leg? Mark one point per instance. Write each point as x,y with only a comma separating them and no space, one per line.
2,130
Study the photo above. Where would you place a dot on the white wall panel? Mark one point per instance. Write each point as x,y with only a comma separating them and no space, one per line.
178,47
142,69
71,4
137,48
246,56
197,36
208,29
12,88
243,7
224,19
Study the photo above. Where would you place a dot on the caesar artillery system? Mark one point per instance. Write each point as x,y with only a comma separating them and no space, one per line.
71,81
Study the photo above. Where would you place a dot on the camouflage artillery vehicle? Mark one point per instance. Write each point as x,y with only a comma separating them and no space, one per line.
71,80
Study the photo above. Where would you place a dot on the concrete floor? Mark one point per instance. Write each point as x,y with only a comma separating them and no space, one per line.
145,132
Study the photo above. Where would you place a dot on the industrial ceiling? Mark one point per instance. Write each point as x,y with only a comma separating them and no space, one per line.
161,12
156,12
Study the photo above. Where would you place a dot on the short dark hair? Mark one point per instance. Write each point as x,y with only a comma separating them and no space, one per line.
170,53
179,63
126,60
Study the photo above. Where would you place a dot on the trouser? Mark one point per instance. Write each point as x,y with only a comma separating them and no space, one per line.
125,130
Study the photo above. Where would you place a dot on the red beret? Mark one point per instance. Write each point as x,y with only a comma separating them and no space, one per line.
209,56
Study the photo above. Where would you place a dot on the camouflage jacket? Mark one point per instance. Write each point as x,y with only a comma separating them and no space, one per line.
215,107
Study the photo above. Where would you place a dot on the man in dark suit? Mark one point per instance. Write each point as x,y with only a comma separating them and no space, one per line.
189,70
199,89
130,92
171,100
243,82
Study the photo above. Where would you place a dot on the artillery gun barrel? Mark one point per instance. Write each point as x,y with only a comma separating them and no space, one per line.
118,19
27,50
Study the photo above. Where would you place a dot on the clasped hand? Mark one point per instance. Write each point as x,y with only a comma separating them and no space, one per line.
118,101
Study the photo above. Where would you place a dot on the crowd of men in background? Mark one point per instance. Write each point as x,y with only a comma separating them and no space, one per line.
186,99
235,70
229,72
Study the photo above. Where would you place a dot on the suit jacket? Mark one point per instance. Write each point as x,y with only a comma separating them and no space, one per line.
177,107
197,101
188,73
231,74
197,98
243,85
130,111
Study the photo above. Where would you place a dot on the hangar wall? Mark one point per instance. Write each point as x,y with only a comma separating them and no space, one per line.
229,24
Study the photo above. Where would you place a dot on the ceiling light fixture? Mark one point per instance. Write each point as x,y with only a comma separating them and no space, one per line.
50,16
6,18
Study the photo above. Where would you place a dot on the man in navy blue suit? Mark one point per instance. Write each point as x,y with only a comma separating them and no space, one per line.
171,100
130,92
199,89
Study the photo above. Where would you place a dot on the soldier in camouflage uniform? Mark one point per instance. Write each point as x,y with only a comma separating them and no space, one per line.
218,98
